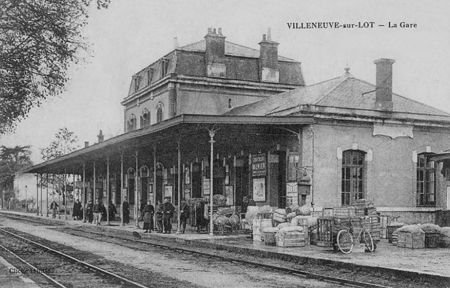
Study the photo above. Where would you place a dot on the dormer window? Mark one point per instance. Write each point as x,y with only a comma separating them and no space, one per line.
164,67
137,83
149,76
159,112
131,123
145,118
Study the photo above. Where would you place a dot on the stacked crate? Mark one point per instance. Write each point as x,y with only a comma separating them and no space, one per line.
290,239
413,240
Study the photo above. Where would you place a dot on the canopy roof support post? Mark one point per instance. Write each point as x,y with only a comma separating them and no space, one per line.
107,190
179,185
37,194
94,178
46,190
154,185
122,197
136,203
212,133
83,193
42,201
65,194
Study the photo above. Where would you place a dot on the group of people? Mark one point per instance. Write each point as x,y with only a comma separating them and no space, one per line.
96,213
164,214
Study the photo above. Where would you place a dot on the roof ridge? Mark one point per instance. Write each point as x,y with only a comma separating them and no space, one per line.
332,88
404,97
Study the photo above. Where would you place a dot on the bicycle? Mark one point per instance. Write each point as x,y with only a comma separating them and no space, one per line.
346,240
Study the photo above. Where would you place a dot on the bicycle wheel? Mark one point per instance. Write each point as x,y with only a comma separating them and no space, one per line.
368,241
345,241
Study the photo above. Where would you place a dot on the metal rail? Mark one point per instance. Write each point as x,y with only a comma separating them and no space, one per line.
64,255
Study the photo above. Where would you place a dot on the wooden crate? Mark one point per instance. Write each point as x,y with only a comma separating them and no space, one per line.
325,231
344,212
291,239
411,240
432,240
269,238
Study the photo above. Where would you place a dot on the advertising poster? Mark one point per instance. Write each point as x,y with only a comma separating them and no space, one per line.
259,189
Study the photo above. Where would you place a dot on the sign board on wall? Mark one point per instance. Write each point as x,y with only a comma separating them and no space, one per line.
291,193
259,189
259,165
168,191
206,186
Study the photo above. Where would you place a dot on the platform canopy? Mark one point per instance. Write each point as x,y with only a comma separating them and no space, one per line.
191,130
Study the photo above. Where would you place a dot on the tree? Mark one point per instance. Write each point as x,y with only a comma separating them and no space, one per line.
65,141
39,39
12,160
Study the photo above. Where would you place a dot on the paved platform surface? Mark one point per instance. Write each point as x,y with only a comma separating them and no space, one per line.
432,262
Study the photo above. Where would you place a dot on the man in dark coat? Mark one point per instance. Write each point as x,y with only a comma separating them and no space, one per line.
148,212
126,211
112,211
199,215
168,210
184,215
90,212
77,210
102,211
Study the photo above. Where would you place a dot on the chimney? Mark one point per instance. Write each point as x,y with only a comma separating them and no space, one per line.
86,144
100,136
383,93
215,53
175,43
268,59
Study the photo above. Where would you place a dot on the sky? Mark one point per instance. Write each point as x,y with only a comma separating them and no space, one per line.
130,35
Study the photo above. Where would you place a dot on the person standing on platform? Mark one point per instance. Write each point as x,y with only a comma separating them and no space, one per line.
148,212
90,212
97,214
168,210
102,211
184,215
126,211
199,215
159,217
76,210
54,208
112,211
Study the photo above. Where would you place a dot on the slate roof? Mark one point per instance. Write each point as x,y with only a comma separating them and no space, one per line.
341,92
231,49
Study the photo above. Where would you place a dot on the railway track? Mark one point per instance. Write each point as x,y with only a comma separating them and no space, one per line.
57,268
131,243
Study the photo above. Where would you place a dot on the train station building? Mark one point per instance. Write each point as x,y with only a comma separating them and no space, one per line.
214,117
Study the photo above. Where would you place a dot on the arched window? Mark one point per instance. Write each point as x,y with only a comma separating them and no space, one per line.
426,180
352,182
131,123
145,118
159,113
144,171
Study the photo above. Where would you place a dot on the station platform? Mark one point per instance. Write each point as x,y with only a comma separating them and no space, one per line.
434,263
